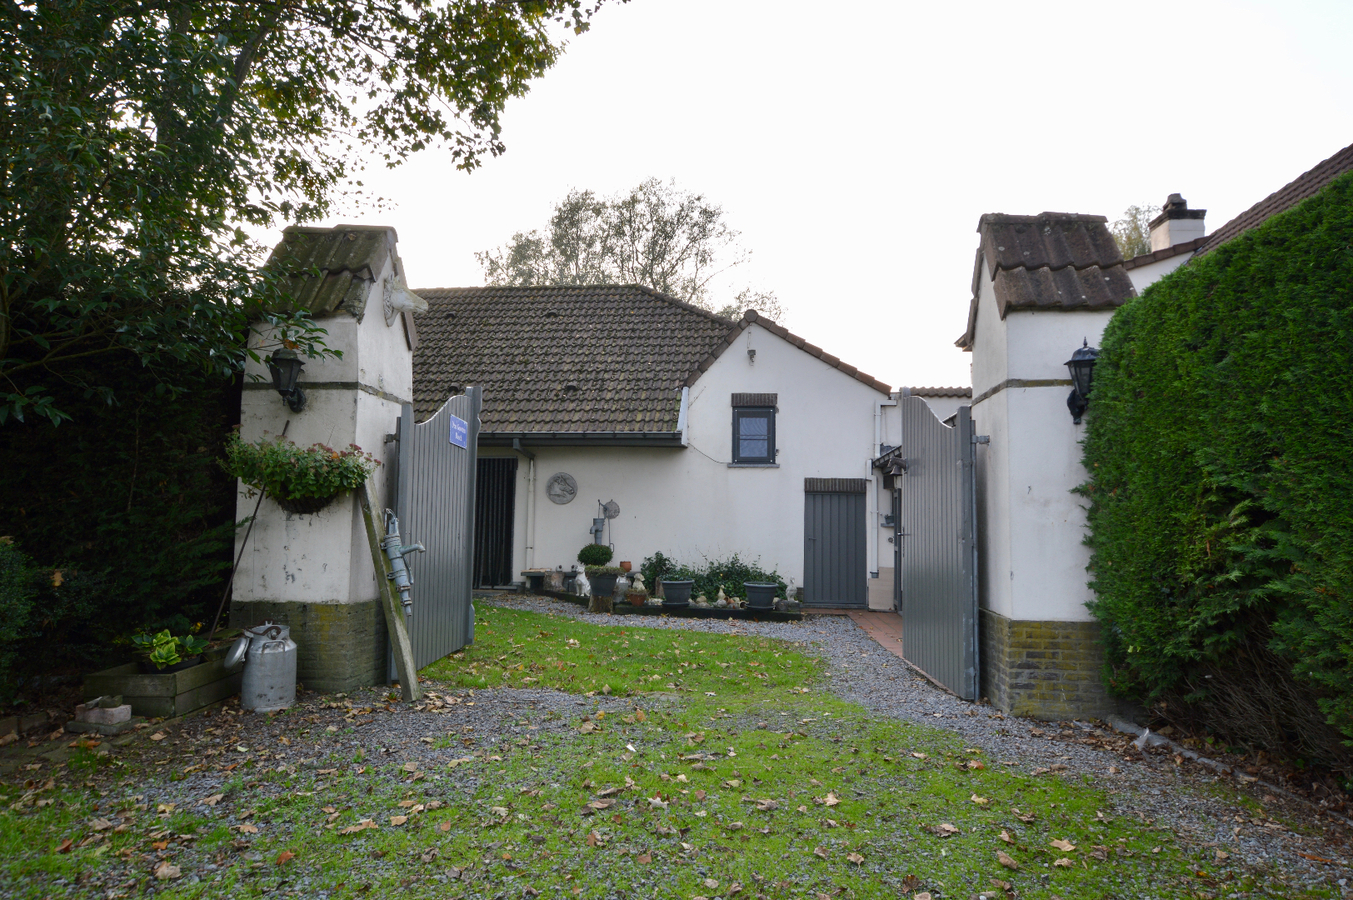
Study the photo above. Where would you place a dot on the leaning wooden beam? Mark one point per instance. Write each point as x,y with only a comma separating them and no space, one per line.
394,611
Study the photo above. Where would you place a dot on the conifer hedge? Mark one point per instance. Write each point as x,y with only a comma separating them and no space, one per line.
1221,489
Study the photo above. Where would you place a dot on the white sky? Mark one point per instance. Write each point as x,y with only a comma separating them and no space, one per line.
856,145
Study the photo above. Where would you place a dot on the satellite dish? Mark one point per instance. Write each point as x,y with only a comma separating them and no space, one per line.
610,509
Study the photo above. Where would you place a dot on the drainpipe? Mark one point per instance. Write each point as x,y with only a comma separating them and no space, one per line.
682,416
530,503
875,452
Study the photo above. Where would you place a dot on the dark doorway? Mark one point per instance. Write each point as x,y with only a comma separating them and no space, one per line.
495,500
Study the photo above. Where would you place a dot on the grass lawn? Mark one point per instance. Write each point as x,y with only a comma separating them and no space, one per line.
701,766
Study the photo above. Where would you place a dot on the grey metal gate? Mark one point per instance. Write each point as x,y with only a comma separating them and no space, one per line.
937,534
435,502
835,561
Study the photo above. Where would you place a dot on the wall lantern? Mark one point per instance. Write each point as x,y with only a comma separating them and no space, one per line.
285,367
1082,366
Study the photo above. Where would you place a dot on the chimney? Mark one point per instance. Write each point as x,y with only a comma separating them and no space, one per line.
1176,224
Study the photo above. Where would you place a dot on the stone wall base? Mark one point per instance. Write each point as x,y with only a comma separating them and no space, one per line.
1044,670
340,646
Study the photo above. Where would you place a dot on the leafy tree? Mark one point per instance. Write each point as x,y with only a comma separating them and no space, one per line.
655,234
1132,232
137,136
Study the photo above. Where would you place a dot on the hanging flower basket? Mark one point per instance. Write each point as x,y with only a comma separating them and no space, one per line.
302,481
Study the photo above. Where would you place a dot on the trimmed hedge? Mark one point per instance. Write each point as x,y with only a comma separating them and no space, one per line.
1221,489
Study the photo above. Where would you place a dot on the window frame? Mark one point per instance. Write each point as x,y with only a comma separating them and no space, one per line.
760,412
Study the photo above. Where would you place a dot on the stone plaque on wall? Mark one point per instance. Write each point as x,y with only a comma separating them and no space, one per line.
561,488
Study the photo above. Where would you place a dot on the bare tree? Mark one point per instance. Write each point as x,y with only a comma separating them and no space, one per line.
655,234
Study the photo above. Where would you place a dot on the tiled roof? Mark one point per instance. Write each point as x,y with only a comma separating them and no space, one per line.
1052,261
750,318
1282,199
562,359
330,269
1155,256
938,391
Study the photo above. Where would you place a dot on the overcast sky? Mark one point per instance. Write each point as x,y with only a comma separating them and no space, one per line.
854,146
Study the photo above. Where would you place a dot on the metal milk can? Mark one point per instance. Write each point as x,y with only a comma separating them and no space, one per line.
269,656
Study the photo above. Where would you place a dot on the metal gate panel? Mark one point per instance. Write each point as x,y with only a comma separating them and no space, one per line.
495,503
938,547
435,505
835,561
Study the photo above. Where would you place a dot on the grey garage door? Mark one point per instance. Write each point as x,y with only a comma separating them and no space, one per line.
835,564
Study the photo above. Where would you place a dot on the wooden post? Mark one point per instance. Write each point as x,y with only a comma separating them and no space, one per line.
394,611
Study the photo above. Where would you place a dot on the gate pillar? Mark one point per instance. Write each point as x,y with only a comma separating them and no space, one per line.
314,572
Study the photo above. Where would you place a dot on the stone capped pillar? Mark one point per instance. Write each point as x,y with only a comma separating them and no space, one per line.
314,572
1042,285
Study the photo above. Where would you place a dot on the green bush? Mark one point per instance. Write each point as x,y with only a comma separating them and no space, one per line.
284,471
728,573
1221,491
128,503
18,588
595,555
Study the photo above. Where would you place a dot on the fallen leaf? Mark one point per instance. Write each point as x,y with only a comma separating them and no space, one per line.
767,805
699,795
593,839
920,756
710,883
1004,859
158,736
212,800
445,826
398,820
410,766
735,888
819,852
644,858
1001,885
830,800
328,809
1064,846
980,801
1063,862
733,783
166,872
405,804
734,826
284,857
855,858
944,829
1005,836
64,846
246,828
587,727
100,824
500,811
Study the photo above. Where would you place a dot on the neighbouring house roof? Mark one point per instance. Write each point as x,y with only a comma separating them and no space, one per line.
1051,261
1286,197
937,392
584,361
576,364
750,318
1156,256
332,269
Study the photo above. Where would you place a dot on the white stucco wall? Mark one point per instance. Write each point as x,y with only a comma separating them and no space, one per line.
690,503
1143,275
323,557
1033,559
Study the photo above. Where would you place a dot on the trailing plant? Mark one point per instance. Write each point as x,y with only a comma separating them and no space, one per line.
1221,488
165,649
284,471
593,555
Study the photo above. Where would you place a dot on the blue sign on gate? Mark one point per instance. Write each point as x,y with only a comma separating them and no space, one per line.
460,431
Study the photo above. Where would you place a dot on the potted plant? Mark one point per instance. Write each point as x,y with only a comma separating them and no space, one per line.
760,595
300,481
600,576
677,592
166,653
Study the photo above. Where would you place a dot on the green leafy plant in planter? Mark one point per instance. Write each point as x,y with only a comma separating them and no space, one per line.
164,650
594,558
301,481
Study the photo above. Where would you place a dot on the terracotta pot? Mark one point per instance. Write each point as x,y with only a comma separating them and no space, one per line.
636,598
626,565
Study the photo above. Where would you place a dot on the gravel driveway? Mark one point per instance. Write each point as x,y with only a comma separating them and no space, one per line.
1189,799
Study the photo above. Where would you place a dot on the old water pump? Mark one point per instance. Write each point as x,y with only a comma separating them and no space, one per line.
269,657
396,550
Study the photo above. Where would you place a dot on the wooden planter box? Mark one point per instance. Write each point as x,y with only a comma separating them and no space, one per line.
174,694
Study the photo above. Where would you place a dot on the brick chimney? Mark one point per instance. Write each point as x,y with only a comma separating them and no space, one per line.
1176,224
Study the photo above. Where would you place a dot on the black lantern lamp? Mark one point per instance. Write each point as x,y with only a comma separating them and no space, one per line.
1082,366
285,367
